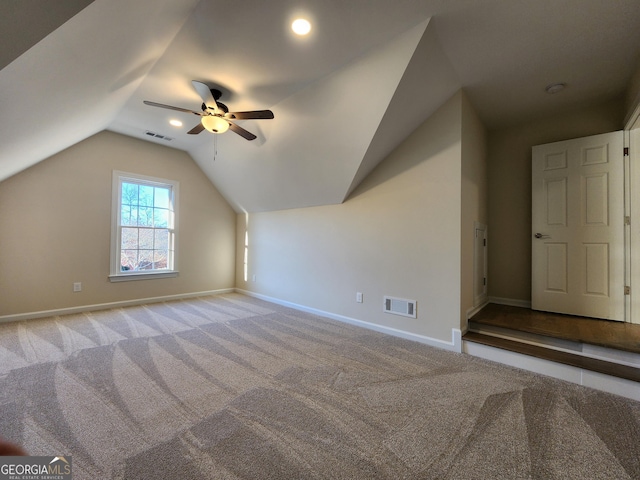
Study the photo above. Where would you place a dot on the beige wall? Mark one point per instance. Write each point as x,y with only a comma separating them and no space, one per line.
509,174
398,234
56,219
474,199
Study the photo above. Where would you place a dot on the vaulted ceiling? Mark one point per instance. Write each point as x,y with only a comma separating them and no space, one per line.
343,97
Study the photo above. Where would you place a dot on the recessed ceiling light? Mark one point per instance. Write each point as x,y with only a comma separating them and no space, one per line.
175,123
555,88
301,26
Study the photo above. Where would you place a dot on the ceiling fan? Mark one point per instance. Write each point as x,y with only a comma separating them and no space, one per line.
215,116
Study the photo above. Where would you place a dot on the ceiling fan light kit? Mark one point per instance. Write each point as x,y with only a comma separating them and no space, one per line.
215,116
215,124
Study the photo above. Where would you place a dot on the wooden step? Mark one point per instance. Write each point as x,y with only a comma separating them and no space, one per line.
604,333
586,363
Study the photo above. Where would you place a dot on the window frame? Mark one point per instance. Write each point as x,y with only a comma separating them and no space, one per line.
116,274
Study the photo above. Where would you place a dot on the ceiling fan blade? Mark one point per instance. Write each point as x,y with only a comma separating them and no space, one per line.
241,131
254,115
205,93
162,105
196,130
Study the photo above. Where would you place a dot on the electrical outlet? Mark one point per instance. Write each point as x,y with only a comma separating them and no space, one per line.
77,287
359,297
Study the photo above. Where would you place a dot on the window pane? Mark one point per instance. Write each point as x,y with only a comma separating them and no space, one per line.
129,260
146,238
161,199
145,260
146,196
129,193
160,259
129,238
161,218
145,217
128,215
162,239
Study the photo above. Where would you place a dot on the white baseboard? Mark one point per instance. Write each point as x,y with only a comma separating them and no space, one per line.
107,306
472,311
512,302
456,334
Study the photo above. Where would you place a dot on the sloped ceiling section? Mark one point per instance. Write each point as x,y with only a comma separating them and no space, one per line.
312,154
428,81
329,92
74,82
343,97
23,23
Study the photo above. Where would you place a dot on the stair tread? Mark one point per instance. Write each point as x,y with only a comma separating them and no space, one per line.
605,333
587,363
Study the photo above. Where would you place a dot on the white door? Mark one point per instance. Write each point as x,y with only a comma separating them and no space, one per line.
578,227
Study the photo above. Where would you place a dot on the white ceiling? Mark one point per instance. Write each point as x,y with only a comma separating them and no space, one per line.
369,73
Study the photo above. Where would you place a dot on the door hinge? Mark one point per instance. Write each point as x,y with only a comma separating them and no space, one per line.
484,281
627,220
484,242
626,151
627,290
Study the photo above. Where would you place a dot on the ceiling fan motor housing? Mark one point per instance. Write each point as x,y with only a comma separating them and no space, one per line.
221,106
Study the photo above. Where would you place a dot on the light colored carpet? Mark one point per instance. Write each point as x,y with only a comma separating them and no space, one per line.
230,387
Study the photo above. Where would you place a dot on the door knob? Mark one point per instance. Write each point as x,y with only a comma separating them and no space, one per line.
541,235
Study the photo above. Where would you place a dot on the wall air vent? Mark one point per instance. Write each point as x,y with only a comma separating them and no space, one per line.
400,306
158,136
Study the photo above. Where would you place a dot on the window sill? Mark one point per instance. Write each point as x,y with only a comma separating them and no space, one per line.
128,277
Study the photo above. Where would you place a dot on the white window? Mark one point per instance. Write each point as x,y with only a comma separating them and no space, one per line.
143,230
